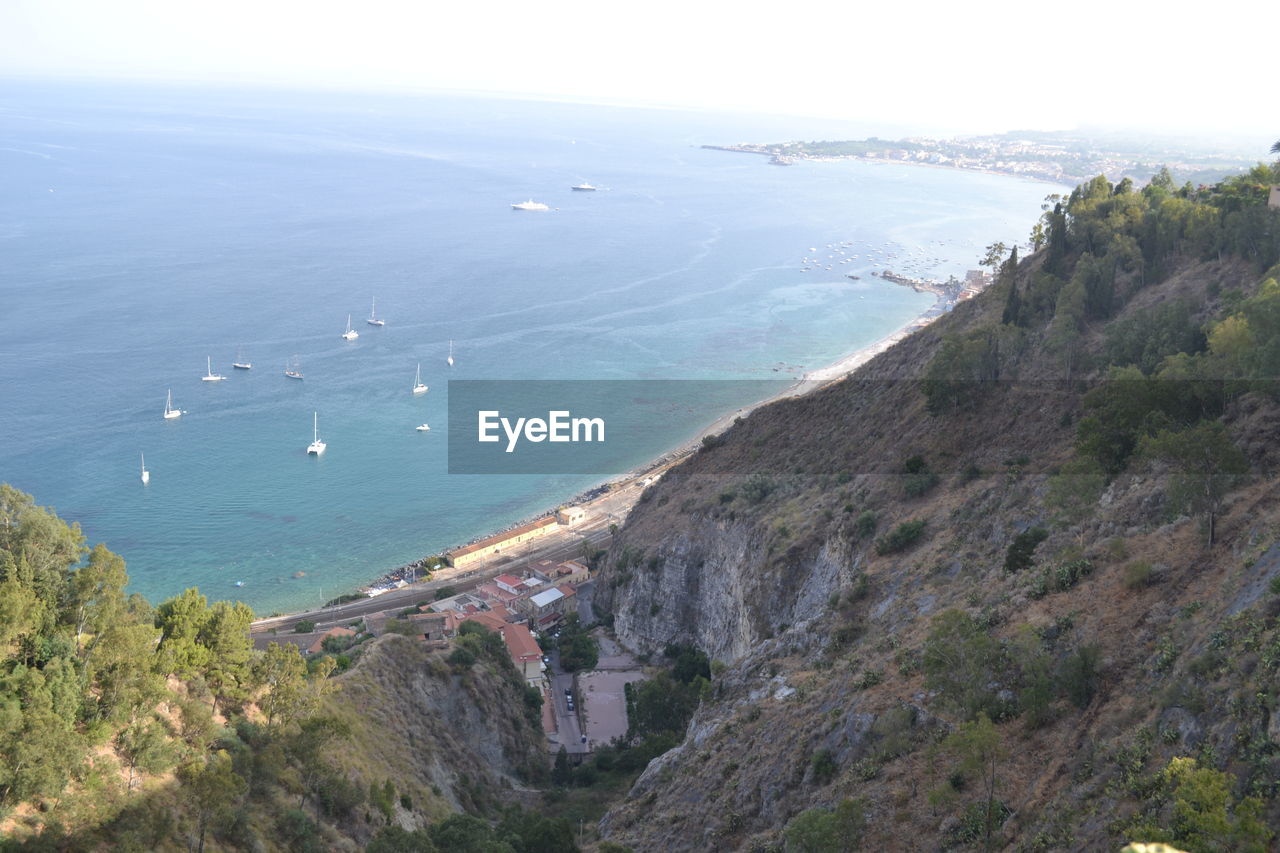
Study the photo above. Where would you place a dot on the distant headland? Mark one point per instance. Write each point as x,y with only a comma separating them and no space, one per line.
1060,157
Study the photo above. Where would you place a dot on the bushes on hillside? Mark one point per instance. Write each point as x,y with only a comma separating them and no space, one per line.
1022,550
901,537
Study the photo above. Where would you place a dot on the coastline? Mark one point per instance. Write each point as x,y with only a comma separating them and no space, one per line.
1063,181
642,475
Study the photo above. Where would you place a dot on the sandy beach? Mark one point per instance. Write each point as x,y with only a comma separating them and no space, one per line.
611,499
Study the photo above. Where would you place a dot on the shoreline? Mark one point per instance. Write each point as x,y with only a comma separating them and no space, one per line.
646,472
791,158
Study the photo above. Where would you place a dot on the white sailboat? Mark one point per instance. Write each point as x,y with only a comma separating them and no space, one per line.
169,411
146,475
293,370
316,446
418,387
451,353
241,363
422,428
350,334
373,315
209,375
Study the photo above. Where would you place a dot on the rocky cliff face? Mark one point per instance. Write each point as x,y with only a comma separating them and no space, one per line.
705,584
758,551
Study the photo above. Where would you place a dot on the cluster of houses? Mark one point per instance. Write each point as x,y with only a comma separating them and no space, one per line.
519,606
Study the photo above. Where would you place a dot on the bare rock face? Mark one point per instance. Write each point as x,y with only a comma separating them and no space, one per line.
720,589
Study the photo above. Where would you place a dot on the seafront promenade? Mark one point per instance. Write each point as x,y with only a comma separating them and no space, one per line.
564,544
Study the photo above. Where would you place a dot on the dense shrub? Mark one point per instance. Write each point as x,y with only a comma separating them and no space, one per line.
823,764
1022,549
901,537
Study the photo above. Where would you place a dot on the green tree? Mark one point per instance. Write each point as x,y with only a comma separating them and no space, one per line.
395,839
1206,466
145,745
978,747
212,787
562,773
1035,677
180,620
463,833
97,592
225,635
1022,549
823,830
1205,816
43,545
960,661
308,746
1013,306
287,695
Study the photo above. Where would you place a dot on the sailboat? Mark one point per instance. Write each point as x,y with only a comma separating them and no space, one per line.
418,387
241,363
373,315
209,375
422,428
316,446
293,370
169,411
451,353
350,334
146,475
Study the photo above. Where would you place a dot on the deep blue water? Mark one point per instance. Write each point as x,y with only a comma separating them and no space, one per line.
143,230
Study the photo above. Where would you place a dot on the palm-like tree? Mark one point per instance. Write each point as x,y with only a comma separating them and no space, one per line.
1275,148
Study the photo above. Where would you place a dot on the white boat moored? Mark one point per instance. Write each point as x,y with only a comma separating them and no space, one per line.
316,447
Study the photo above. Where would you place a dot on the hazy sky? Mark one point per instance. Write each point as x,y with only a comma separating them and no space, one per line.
979,66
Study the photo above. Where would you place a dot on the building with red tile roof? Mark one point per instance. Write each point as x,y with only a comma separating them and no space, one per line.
318,645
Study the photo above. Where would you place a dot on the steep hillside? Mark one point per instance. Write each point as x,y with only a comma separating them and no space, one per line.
451,739
1005,517
140,728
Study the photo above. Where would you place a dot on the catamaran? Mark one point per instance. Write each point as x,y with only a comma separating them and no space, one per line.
209,375
418,387
350,334
451,353
316,446
146,475
169,411
373,315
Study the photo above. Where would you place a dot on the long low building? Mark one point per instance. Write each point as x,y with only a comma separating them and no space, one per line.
494,544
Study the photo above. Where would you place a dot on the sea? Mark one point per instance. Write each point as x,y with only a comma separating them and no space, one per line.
146,229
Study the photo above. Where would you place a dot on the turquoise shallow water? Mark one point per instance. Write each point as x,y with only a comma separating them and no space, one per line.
144,230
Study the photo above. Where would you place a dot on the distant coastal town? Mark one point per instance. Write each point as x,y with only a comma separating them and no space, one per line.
1063,158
